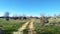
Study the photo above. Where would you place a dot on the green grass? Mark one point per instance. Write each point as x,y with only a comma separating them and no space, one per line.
10,26
48,29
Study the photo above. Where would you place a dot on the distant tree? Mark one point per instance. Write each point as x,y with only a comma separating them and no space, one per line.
24,17
46,19
19,17
7,16
15,17
37,17
55,16
58,16
43,19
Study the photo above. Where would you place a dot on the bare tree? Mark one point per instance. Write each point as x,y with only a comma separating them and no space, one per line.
43,19
7,16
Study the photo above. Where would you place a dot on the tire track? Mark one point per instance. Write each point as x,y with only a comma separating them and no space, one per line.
20,30
31,28
29,25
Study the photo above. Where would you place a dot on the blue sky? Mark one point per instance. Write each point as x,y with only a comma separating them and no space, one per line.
30,7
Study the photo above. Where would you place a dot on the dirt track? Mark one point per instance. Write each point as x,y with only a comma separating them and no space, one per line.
24,26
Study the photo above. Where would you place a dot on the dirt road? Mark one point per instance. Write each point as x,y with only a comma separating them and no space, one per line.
24,26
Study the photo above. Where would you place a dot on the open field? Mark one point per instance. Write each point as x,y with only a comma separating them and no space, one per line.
53,27
11,25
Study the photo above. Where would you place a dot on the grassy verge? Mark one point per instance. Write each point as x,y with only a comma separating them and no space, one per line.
47,29
10,26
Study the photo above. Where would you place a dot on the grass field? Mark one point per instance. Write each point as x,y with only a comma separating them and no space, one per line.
53,27
11,25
